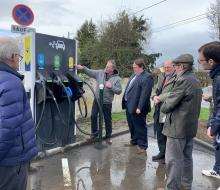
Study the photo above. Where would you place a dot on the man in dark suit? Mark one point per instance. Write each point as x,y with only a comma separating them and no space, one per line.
136,101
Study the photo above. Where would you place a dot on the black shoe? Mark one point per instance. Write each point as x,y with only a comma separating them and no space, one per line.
158,157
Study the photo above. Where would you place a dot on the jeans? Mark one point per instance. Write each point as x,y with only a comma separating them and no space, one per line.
217,157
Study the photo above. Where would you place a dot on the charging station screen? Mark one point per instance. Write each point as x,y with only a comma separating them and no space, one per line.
54,53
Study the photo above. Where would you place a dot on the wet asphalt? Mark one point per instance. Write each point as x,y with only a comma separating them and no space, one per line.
114,167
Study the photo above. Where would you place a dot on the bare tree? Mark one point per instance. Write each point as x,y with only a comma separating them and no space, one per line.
213,16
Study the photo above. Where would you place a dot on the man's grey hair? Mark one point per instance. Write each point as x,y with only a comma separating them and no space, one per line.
113,63
187,66
8,47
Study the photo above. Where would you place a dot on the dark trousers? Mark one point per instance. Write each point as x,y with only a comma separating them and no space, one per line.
217,157
179,163
12,178
138,129
161,139
107,113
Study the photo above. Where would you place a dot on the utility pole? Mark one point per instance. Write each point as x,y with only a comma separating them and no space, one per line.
71,33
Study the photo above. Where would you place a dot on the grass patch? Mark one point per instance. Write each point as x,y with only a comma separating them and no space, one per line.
121,116
204,114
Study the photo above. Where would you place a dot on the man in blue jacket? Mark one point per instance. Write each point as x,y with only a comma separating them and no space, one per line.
136,101
17,133
209,58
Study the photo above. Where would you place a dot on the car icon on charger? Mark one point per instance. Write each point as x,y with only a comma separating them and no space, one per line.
60,45
52,44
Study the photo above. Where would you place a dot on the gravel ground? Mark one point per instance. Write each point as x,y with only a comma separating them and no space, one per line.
201,133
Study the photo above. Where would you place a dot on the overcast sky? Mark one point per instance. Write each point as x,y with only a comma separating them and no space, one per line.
56,17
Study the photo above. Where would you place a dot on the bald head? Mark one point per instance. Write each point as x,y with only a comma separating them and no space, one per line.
8,51
168,67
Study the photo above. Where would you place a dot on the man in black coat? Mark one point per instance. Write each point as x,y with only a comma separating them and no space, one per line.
209,58
136,101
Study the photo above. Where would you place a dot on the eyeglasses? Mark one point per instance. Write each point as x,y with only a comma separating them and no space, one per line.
176,65
19,57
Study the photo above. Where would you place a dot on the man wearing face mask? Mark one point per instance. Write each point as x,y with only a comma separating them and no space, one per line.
160,91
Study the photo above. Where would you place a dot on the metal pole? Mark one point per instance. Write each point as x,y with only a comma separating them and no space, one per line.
99,144
101,87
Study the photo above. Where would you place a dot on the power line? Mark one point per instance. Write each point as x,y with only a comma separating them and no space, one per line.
147,7
179,25
162,28
180,22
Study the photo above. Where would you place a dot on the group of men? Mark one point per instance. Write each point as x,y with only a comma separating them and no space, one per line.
176,120
176,96
177,100
136,101
181,103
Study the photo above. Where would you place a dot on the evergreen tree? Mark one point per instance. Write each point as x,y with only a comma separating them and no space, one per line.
122,38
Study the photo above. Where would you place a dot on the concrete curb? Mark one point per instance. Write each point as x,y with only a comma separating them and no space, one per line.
198,141
57,150
204,144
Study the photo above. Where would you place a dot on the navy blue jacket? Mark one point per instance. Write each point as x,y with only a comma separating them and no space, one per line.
17,132
214,119
138,96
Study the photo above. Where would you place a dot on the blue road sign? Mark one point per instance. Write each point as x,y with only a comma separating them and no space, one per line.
23,15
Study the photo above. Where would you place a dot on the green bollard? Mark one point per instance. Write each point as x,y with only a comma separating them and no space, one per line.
99,144
101,87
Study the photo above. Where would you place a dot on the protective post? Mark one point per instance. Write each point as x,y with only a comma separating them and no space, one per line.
99,144
101,87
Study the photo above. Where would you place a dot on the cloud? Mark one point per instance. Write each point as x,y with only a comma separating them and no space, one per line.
57,17
184,43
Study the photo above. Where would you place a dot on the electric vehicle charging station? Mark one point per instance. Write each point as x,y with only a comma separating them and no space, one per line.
49,77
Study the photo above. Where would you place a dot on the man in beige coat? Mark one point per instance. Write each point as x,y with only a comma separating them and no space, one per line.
159,93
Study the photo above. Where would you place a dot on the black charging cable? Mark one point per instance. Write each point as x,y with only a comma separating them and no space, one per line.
42,81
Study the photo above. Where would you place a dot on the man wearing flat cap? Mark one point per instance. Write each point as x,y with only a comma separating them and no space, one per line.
182,108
